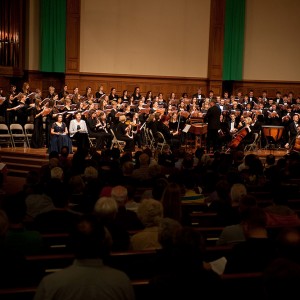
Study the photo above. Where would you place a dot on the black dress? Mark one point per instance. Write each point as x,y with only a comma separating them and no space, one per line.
37,140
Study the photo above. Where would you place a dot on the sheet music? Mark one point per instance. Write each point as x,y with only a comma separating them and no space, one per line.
186,128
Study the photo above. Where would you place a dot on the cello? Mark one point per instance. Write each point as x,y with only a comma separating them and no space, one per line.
237,138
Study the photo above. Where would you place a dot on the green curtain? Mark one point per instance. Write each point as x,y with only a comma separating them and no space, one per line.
53,35
234,40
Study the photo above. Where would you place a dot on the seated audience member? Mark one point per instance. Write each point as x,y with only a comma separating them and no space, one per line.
171,201
279,213
142,173
59,136
60,218
257,251
182,275
166,158
106,209
150,213
280,278
13,270
18,237
233,234
88,277
125,217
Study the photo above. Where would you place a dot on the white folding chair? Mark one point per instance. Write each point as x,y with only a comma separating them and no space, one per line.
28,129
18,135
5,136
117,143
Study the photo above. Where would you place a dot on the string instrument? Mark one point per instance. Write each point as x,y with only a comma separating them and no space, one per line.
237,138
46,111
184,114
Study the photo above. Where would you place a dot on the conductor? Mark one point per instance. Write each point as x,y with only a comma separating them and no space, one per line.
212,118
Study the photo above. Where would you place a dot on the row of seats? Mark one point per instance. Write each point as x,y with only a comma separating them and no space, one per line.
15,134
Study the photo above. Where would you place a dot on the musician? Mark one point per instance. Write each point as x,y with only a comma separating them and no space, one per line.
51,92
100,92
104,129
93,126
22,110
125,97
64,92
135,130
78,131
149,97
123,134
294,130
137,94
112,119
113,96
161,102
67,117
171,137
59,136
249,137
88,92
274,116
251,96
200,97
278,98
25,88
37,140
233,123
173,121
10,112
212,117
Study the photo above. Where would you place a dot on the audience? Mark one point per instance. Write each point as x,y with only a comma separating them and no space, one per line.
87,277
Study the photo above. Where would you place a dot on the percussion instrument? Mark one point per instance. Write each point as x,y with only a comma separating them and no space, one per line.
274,131
297,144
198,129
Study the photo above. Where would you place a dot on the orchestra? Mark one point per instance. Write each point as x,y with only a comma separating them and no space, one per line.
138,111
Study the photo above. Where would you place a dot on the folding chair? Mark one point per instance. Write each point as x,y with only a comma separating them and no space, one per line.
92,141
5,136
161,141
28,128
18,135
151,139
254,145
117,143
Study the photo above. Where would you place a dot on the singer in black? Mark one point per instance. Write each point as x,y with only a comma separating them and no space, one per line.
212,118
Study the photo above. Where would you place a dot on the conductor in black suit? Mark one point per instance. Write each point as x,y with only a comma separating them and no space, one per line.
212,118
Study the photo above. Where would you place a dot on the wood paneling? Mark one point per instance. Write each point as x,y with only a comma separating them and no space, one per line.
270,86
73,36
216,45
42,81
156,84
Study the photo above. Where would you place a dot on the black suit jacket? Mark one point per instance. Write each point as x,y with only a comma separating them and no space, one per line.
212,117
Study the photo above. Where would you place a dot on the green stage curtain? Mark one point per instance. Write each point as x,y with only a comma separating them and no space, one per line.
234,40
53,35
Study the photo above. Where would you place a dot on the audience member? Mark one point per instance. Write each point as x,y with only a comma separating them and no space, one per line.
87,277
150,213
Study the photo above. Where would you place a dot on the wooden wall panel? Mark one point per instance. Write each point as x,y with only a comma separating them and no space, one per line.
73,36
42,81
216,45
165,85
270,86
